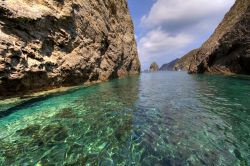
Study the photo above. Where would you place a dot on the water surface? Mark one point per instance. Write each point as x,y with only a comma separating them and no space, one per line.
167,118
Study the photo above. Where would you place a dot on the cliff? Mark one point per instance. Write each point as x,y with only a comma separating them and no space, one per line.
228,49
46,44
169,66
185,61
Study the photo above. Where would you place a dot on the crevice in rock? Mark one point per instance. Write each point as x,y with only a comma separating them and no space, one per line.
244,62
104,45
118,66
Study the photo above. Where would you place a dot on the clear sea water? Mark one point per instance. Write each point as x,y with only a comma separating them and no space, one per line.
165,118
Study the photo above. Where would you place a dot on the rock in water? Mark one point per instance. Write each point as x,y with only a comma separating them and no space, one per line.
50,43
228,49
154,67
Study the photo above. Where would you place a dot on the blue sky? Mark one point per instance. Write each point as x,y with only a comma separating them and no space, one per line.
168,29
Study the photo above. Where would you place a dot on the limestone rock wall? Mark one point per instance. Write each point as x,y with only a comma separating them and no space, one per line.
51,43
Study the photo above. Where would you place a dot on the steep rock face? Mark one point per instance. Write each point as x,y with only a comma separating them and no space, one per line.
169,66
50,43
228,49
184,62
154,67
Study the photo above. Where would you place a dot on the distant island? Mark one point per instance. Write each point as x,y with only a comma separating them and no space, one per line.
169,66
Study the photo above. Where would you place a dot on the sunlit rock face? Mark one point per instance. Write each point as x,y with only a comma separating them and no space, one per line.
184,62
51,43
228,49
154,67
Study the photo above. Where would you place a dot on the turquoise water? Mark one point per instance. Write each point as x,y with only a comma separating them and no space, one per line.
168,118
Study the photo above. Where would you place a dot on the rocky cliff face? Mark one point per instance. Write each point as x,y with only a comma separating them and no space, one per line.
228,49
154,67
50,43
169,66
185,61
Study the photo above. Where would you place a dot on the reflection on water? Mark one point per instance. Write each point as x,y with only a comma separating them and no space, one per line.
156,119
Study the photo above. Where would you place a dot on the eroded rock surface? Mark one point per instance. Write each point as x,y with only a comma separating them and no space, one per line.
51,43
228,49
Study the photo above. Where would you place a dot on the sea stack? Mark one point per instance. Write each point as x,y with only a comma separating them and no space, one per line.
154,67
228,49
51,43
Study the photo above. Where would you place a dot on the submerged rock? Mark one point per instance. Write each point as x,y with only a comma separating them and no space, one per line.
30,130
228,49
66,113
51,43
154,67
44,136
54,133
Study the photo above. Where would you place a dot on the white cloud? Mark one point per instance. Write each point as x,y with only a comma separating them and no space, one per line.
184,11
157,41
174,27
157,44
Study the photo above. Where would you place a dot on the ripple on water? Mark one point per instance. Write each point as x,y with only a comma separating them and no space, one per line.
179,120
